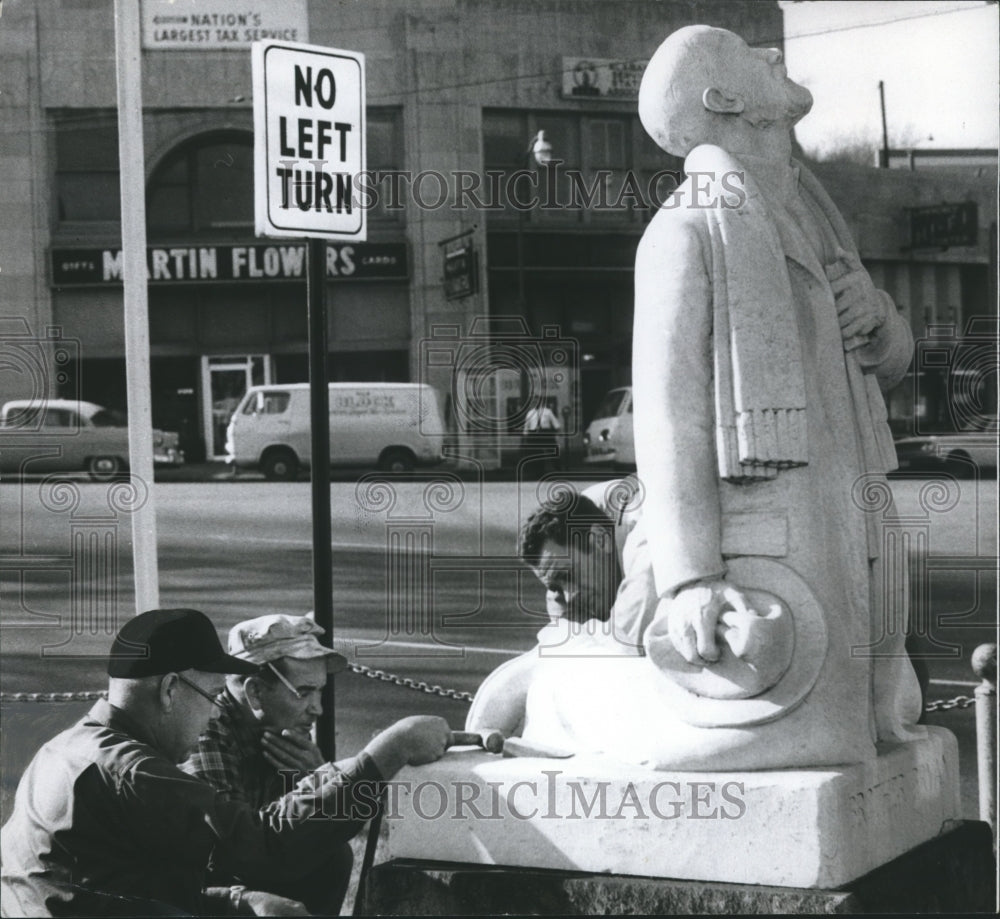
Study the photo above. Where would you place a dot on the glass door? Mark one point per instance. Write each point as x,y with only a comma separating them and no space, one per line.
224,382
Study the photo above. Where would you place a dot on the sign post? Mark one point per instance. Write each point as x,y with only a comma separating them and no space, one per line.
309,151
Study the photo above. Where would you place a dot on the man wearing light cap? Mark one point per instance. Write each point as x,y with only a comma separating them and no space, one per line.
259,752
105,824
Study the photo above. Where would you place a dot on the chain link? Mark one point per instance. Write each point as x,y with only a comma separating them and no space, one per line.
418,685
53,696
946,705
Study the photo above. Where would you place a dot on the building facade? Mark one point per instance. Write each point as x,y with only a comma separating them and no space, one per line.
509,183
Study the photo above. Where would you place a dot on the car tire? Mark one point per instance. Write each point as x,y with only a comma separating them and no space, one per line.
280,466
104,468
397,459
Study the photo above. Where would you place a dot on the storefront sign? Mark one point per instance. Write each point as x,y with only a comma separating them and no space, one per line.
309,140
232,263
211,25
601,78
944,225
460,274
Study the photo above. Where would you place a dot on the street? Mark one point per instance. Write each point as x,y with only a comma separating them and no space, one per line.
426,585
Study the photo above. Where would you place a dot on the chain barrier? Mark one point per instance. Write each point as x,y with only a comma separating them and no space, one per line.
457,695
53,696
946,705
419,685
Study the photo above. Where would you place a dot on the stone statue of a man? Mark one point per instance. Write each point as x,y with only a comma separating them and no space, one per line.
761,350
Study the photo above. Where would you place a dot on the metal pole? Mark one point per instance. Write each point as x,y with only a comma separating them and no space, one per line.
984,663
319,410
133,192
885,130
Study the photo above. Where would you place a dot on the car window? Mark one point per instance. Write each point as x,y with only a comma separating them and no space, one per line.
58,418
27,417
267,403
108,418
611,404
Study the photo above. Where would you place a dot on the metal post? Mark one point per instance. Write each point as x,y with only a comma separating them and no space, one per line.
133,192
984,663
884,157
319,409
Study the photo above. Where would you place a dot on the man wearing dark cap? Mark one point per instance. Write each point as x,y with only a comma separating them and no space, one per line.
260,749
104,823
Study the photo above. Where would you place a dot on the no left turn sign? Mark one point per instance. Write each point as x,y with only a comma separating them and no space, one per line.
309,140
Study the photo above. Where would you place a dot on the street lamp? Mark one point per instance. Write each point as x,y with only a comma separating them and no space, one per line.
539,153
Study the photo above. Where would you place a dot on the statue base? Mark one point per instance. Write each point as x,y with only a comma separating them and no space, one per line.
800,828
953,874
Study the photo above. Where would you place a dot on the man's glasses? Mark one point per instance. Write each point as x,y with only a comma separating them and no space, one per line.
285,681
198,689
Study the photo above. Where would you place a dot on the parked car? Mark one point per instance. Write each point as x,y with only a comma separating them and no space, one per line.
608,439
394,426
962,455
69,435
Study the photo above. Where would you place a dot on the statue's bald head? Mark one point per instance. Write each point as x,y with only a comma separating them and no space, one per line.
671,109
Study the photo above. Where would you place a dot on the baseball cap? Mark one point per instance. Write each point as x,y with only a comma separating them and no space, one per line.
168,641
268,638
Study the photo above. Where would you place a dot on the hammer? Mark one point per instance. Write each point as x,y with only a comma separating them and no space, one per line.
491,741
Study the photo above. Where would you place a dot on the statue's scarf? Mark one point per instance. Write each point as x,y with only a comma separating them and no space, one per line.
760,401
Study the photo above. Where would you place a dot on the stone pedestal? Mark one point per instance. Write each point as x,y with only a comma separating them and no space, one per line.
797,828
951,874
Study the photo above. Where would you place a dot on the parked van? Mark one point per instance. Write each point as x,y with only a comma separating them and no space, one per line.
394,426
608,438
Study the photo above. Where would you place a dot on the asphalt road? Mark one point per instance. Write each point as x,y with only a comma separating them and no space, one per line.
236,549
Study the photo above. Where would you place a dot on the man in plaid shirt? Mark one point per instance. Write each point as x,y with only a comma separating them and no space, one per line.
260,747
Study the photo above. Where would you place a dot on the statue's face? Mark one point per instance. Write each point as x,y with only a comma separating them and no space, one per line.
759,77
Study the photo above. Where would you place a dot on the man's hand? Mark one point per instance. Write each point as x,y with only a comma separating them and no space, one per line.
411,741
860,309
262,903
693,615
291,750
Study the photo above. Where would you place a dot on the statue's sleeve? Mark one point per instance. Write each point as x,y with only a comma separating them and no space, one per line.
673,393
889,353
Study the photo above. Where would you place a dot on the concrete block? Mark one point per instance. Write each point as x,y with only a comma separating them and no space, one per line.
803,828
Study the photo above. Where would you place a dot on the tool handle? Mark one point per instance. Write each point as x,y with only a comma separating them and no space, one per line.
465,739
491,741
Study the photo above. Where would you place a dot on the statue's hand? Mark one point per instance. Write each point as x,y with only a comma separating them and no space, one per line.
860,309
692,617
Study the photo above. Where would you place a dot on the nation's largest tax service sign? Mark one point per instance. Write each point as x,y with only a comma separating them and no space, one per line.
309,140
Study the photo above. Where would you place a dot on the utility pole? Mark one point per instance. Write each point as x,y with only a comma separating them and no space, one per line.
884,155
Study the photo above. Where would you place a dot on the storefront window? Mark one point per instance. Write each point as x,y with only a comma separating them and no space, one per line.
601,171
384,155
204,187
86,181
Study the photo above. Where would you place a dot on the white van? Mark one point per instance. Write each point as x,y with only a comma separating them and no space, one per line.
608,438
395,426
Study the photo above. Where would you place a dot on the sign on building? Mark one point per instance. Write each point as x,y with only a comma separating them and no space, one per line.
943,225
601,78
460,271
231,262
309,141
213,25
